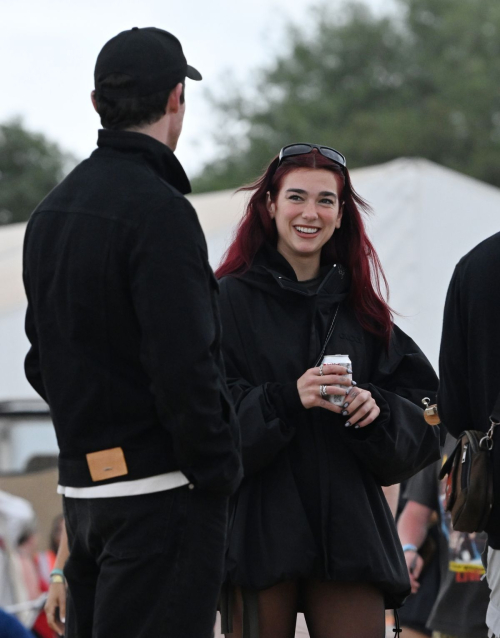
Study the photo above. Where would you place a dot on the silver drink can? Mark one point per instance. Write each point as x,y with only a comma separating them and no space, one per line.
338,360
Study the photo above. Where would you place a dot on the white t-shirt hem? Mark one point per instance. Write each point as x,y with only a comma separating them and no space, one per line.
149,485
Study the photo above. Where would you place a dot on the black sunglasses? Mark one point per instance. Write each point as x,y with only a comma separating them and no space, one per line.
303,149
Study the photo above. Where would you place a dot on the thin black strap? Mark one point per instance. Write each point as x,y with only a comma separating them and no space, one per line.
328,336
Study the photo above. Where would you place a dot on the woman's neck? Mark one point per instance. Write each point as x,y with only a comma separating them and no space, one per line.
306,267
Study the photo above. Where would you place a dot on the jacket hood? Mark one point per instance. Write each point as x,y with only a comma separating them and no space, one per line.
159,156
272,273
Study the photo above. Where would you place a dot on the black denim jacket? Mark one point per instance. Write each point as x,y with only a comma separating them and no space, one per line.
123,319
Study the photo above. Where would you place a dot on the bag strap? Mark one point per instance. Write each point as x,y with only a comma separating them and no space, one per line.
328,337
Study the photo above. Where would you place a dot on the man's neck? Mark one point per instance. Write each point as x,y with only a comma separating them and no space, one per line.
158,130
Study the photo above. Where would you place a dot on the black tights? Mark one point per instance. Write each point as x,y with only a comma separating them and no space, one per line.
331,610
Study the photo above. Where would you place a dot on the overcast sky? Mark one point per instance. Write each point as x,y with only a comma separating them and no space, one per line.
48,50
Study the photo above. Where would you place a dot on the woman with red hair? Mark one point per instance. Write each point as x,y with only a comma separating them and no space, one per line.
310,528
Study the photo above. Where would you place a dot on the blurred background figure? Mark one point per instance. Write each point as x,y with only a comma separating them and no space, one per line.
45,560
17,519
44,564
10,627
449,594
23,569
418,527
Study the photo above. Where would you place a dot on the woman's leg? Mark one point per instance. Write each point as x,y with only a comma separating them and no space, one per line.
276,609
343,610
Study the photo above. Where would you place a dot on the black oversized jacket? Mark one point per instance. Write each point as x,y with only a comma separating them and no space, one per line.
123,319
469,359
311,501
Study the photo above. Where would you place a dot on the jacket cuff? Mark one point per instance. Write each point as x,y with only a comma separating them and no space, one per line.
285,398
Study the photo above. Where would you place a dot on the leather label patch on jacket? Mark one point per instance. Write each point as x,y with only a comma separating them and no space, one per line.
107,464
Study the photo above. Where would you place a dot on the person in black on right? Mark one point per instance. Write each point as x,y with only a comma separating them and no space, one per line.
311,529
469,364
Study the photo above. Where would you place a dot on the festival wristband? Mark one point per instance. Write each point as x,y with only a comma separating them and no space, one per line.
409,547
57,576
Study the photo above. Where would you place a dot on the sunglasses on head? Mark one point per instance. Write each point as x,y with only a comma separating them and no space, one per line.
303,149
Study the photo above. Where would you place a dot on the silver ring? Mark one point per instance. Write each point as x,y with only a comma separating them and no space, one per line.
321,370
322,392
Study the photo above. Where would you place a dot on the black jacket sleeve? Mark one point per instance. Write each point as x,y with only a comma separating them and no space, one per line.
174,293
32,360
454,394
264,411
399,443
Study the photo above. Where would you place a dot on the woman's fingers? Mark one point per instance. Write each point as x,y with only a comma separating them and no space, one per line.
360,408
370,417
330,368
310,383
333,379
62,609
324,403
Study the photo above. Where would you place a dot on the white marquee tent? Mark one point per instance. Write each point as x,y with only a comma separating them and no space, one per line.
425,218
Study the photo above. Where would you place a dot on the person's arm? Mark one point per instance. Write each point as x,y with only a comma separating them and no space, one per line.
266,412
32,360
174,295
421,494
55,606
413,525
399,443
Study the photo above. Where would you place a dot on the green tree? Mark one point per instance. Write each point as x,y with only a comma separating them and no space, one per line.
421,81
30,166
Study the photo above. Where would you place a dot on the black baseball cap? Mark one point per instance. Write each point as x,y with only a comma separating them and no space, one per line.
152,58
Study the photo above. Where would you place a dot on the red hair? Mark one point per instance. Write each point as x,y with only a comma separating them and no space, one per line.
349,245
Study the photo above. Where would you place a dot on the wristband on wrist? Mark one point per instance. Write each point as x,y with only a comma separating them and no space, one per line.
409,547
57,576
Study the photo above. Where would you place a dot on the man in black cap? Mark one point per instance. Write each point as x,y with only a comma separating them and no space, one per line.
125,348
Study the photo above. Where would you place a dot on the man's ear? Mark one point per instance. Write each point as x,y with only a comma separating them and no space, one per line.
94,103
271,207
174,99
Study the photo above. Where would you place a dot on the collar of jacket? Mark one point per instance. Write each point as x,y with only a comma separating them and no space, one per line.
270,268
159,156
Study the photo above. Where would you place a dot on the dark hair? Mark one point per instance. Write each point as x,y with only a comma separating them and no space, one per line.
349,245
123,112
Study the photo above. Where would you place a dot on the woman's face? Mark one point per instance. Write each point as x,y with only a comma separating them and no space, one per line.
306,211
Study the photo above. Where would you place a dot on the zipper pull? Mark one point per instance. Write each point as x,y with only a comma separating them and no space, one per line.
464,455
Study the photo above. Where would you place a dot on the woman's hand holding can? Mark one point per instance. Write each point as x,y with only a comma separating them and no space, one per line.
316,388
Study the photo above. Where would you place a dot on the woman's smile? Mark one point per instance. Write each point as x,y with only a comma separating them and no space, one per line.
307,231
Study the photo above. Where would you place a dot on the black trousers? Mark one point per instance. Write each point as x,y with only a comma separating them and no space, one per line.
147,566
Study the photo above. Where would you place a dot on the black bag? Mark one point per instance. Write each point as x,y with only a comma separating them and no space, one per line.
469,487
